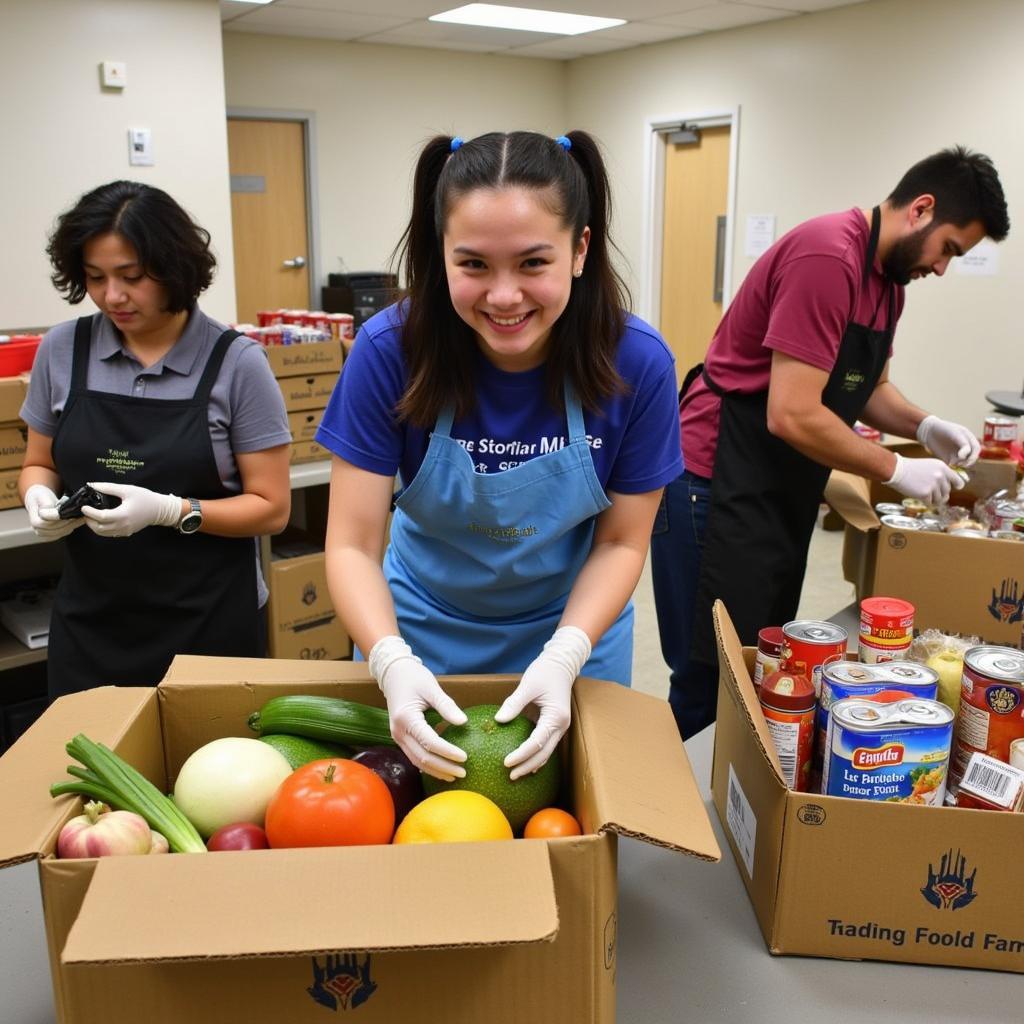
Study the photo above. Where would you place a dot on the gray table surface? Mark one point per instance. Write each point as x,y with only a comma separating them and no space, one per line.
689,949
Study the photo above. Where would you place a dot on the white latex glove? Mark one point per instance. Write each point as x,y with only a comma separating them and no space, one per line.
139,508
410,688
547,682
41,505
955,445
930,480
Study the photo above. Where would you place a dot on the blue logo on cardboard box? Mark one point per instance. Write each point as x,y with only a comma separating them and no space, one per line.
950,888
342,981
1006,606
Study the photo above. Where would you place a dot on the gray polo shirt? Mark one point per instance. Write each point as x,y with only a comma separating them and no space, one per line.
246,409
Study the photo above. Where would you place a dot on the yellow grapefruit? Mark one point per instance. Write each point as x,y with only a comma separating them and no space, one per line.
457,816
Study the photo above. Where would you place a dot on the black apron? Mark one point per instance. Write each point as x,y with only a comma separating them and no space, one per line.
765,494
125,606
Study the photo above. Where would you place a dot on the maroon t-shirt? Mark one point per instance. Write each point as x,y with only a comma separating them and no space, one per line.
798,299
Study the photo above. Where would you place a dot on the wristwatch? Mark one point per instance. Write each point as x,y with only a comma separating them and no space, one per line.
193,519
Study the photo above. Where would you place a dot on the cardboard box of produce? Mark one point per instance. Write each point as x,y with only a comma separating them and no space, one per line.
301,621
304,359
302,393
502,932
12,396
857,879
956,584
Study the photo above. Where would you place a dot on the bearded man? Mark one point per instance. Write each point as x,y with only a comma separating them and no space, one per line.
803,352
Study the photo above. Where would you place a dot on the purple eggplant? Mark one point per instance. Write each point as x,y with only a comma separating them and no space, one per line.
401,775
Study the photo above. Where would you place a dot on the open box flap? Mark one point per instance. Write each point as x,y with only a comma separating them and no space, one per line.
196,669
641,781
733,673
227,906
38,759
850,496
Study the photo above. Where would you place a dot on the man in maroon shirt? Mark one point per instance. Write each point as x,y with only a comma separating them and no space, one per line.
802,352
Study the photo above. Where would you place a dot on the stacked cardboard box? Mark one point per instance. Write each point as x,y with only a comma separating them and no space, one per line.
301,621
12,438
307,374
956,584
461,932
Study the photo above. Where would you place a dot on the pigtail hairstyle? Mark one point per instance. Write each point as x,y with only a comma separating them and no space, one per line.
431,327
439,347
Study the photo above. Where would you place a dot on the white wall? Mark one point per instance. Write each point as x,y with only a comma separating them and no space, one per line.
61,134
835,106
375,106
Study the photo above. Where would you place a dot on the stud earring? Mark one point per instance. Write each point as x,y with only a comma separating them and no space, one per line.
578,272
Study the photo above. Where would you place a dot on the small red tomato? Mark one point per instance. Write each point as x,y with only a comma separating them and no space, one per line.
243,835
330,803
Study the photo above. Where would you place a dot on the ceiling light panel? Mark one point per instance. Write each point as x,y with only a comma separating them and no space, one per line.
525,19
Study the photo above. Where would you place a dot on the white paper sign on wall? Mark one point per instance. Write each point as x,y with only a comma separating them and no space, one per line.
981,261
760,233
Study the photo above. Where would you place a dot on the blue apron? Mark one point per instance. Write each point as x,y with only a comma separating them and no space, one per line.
480,565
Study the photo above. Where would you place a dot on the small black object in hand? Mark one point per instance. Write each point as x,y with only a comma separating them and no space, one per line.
70,506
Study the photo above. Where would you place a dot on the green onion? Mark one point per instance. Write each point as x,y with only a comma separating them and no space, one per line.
108,778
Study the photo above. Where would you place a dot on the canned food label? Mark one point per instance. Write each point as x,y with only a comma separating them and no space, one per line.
972,726
1003,700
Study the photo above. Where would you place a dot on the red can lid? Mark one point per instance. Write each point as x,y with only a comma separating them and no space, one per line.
787,691
769,640
886,606
889,696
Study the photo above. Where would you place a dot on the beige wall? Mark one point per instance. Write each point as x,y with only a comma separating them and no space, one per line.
374,107
62,134
834,107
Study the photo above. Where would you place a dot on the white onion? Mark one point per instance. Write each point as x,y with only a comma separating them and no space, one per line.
227,781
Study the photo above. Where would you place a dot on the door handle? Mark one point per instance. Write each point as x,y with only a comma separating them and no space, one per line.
299,261
716,288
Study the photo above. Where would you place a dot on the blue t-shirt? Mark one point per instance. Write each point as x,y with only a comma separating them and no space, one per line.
634,441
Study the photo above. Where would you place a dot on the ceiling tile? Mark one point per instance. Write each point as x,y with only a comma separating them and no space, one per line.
805,6
723,15
390,39
291,21
408,10
647,32
434,33
638,10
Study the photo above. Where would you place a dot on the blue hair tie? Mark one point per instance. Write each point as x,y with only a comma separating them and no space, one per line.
565,142
456,143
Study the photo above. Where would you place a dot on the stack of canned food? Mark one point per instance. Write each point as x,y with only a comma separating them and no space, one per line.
874,729
296,326
1000,517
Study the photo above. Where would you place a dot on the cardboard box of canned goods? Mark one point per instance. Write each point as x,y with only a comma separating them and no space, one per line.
503,932
857,879
957,584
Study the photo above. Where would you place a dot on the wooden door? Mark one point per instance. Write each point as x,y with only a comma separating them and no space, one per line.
696,195
268,215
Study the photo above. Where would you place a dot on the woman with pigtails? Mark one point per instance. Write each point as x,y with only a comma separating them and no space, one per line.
532,423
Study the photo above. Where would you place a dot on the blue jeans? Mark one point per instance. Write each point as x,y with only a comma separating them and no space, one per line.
677,541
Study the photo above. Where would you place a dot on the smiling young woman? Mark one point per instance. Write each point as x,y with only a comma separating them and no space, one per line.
532,423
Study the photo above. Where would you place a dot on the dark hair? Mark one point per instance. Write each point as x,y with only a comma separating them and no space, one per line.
439,347
171,247
966,188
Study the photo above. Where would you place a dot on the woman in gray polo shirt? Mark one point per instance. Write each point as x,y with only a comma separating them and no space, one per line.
178,426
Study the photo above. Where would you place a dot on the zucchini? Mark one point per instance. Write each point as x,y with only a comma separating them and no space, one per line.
331,719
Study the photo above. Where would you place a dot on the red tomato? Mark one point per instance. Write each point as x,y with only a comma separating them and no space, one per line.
331,803
243,835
